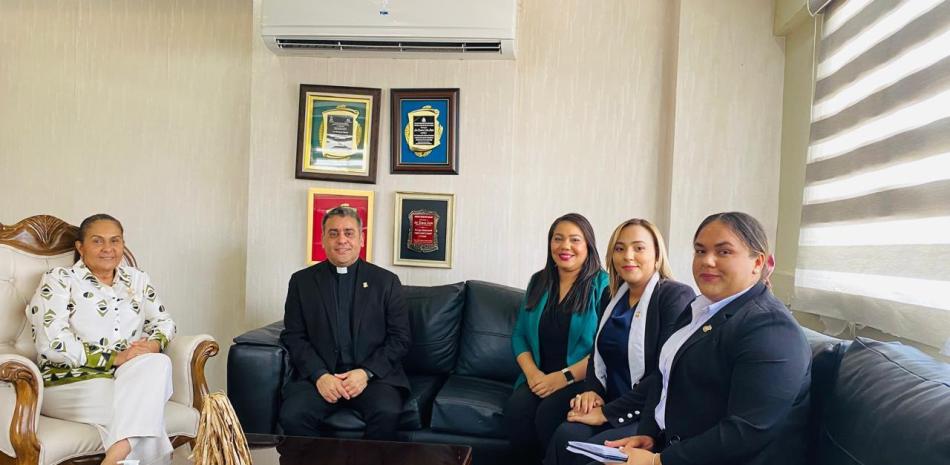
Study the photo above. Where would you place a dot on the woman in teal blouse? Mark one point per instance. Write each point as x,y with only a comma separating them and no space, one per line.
553,335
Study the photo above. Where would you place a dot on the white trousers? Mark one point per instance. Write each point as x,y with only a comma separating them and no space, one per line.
131,406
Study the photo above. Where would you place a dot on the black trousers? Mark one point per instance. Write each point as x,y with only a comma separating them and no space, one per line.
557,453
304,408
532,420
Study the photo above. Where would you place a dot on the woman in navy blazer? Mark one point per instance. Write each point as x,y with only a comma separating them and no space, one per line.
639,309
736,373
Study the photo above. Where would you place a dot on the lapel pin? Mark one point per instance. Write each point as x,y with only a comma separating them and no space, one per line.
707,328
365,285
636,315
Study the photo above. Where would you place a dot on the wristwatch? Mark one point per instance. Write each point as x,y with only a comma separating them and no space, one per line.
568,375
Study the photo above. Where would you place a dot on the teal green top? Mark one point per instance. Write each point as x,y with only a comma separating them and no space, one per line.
580,338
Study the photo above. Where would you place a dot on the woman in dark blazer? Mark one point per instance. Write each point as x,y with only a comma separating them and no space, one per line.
736,373
641,306
553,334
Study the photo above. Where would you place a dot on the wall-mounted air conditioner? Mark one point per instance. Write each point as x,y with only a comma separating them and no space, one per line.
481,29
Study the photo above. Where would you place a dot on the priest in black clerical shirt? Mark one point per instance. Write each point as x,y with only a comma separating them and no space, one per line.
346,329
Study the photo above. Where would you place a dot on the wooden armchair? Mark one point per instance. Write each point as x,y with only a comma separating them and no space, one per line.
27,250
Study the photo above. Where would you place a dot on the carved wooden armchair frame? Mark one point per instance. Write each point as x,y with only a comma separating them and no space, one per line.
46,235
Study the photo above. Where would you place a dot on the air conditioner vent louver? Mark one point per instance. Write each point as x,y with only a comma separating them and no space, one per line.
389,46
404,29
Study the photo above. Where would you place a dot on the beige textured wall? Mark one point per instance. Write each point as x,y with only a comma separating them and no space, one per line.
608,110
726,148
593,86
139,109
582,121
574,124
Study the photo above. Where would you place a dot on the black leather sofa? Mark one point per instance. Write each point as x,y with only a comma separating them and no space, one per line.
873,402
460,369
877,403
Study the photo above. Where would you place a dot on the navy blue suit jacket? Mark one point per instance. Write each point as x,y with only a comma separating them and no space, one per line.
669,300
739,392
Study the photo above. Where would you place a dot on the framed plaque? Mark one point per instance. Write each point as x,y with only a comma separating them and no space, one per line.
337,133
424,229
319,201
425,132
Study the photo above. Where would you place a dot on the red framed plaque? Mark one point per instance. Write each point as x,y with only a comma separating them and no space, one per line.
319,201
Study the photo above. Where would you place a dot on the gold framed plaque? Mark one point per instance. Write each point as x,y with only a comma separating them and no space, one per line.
337,133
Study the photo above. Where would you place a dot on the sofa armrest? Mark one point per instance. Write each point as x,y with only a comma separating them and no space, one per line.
20,408
258,368
189,354
264,336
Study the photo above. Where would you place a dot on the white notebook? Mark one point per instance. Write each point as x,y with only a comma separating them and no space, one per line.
597,452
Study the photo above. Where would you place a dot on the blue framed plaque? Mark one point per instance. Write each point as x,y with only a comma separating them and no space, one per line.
424,131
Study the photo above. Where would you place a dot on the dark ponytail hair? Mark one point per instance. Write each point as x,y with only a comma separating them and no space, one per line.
547,279
747,228
86,223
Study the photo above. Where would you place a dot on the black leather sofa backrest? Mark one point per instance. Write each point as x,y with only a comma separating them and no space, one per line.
258,368
890,404
435,317
826,356
485,350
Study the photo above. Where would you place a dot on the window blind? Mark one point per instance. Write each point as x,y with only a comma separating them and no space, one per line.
874,245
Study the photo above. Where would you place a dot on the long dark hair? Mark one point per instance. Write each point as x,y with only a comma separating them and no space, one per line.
747,228
86,223
547,279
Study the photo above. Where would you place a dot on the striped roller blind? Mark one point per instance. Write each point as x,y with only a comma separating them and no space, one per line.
875,239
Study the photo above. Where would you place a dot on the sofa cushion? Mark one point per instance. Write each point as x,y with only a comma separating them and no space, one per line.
256,374
435,315
485,350
416,411
889,405
471,406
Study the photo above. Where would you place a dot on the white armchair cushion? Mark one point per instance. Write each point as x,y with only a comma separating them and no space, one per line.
180,350
62,440
20,273
181,420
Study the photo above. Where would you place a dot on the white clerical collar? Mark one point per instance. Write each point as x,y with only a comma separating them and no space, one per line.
344,269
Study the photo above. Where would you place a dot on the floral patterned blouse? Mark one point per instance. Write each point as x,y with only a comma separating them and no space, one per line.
80,324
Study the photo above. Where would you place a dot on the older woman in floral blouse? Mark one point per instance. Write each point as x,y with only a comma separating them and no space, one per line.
99,328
